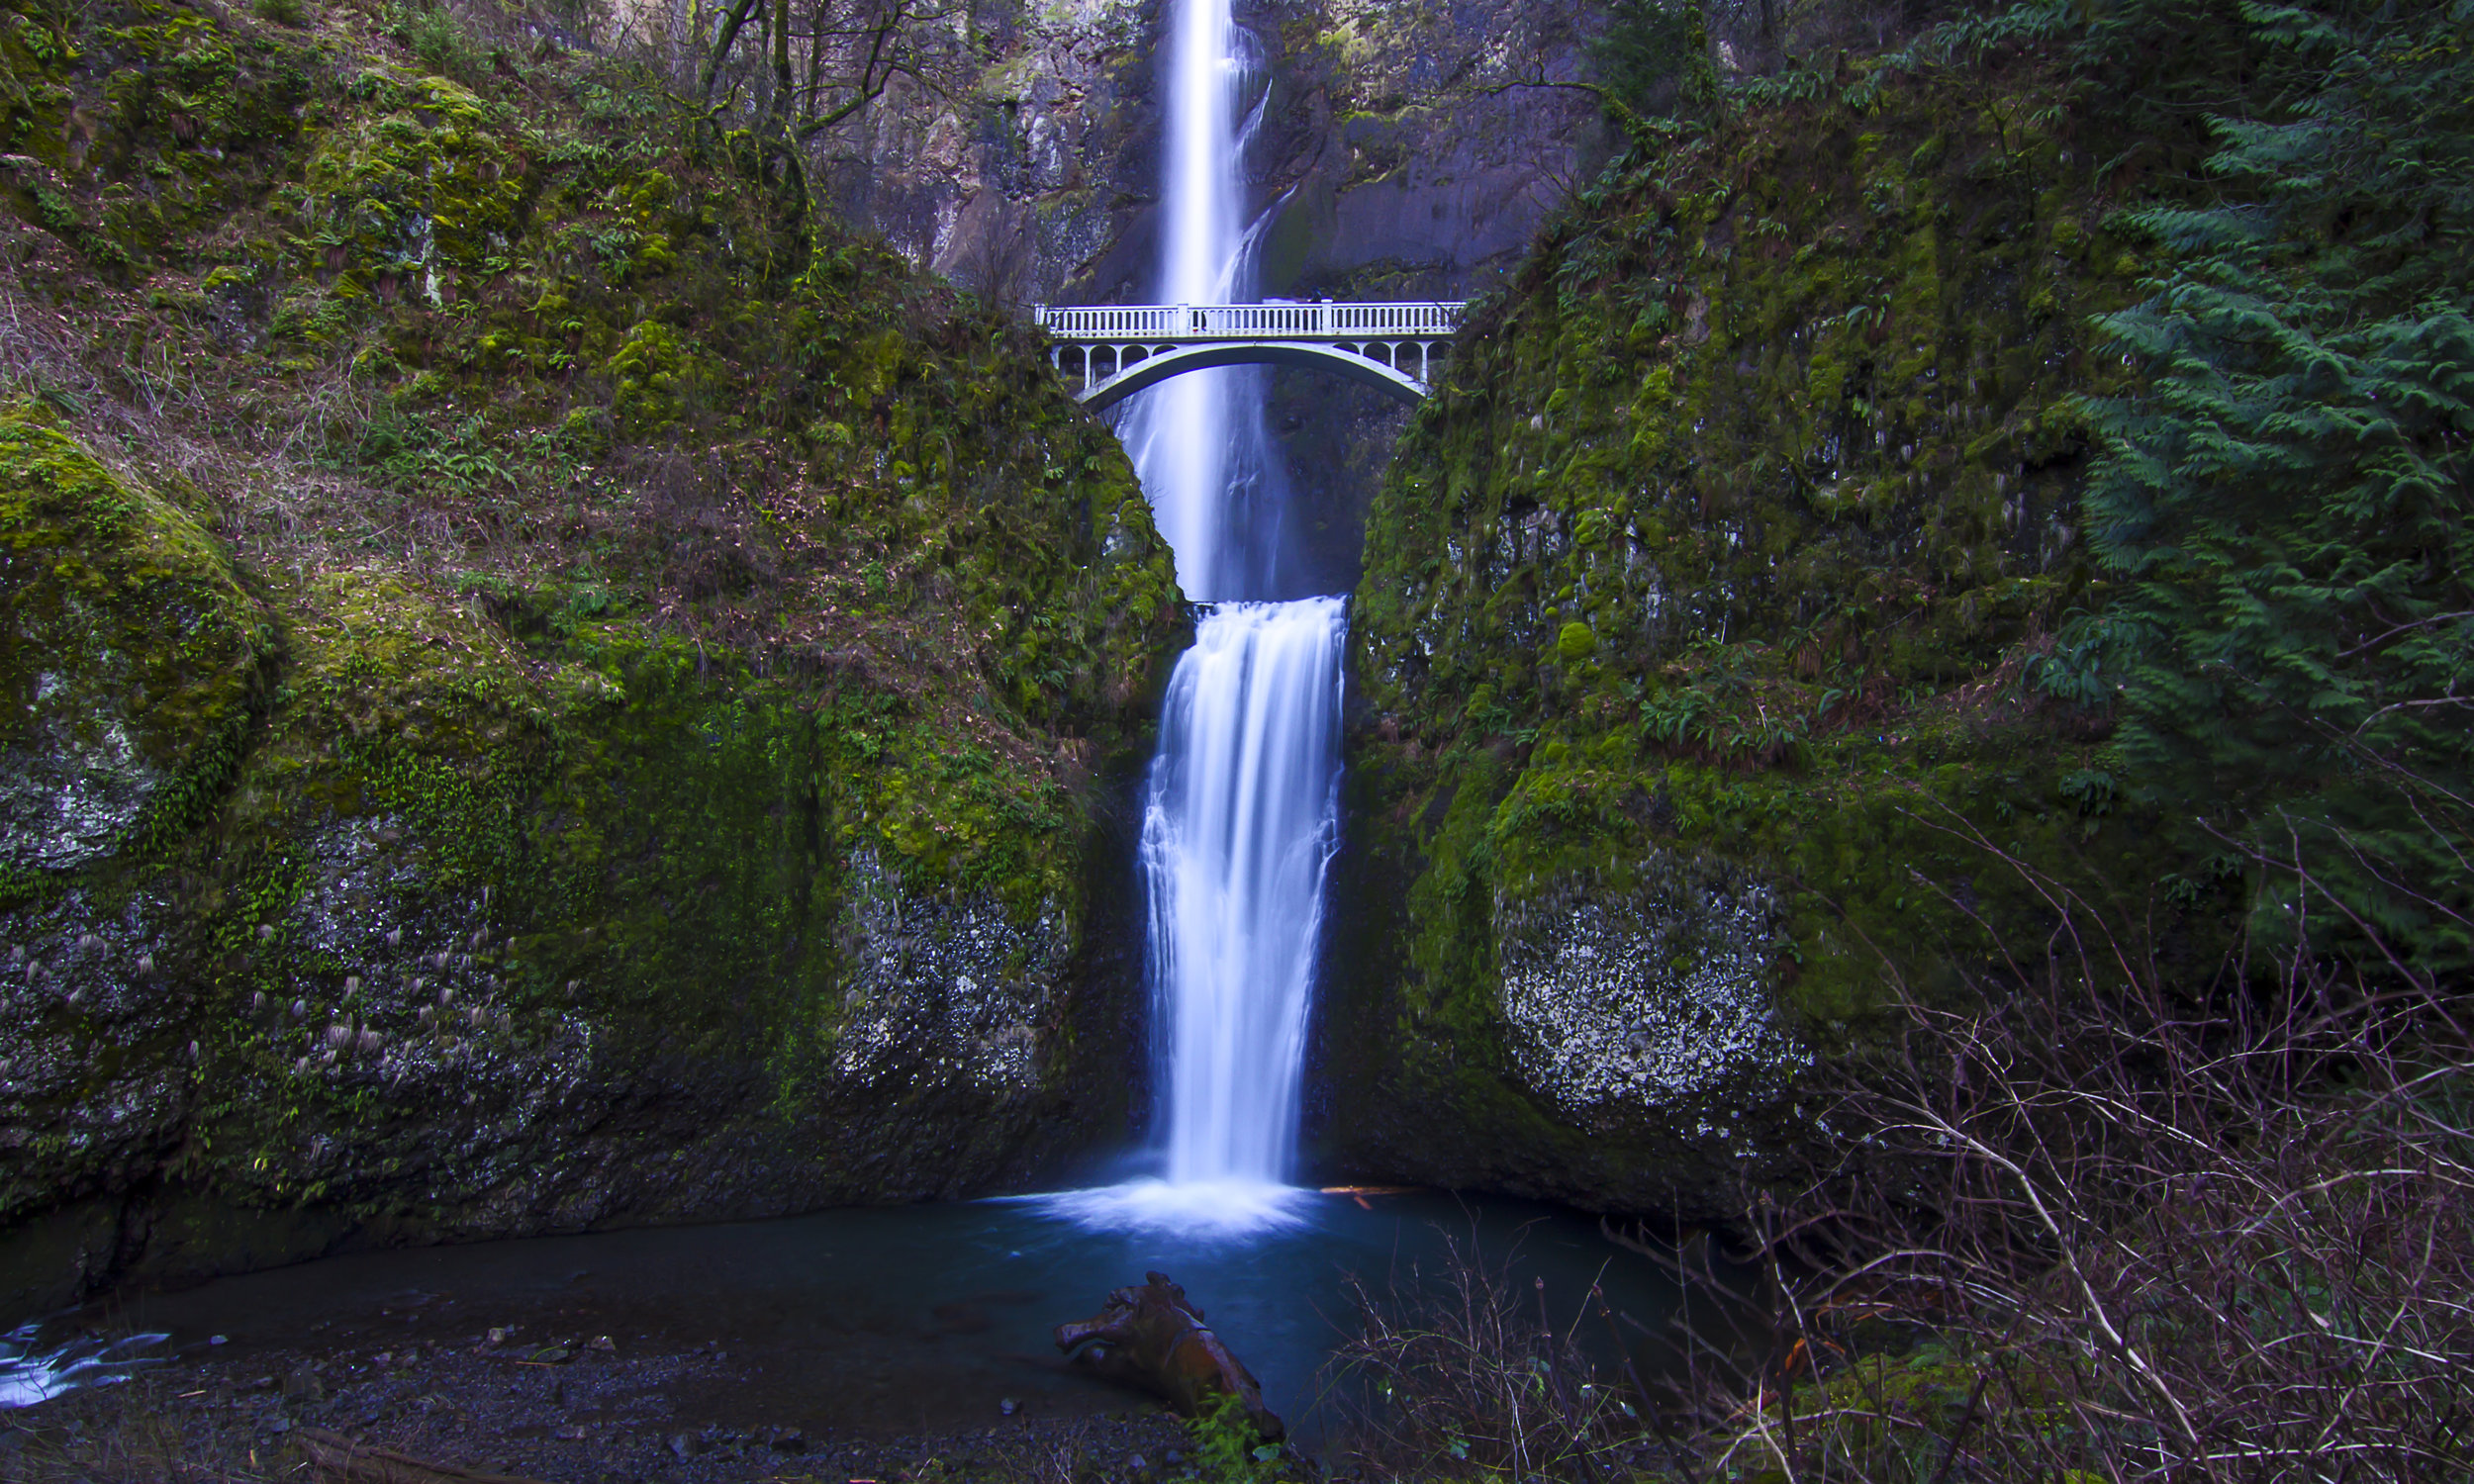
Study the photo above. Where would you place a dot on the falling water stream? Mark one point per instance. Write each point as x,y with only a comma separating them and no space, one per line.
1201,441
1240,820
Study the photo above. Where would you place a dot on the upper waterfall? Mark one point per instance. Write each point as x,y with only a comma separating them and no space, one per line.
1201,443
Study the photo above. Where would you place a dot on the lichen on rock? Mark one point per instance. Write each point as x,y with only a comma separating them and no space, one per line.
956,985
1648,999
74,783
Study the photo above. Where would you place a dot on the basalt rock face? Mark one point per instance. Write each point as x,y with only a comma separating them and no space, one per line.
1690,735
662,750
1402,152
456,937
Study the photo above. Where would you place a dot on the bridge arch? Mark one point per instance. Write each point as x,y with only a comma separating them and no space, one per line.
1162,364
1124,349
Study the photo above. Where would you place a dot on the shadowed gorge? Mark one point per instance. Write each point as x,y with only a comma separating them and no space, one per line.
658,812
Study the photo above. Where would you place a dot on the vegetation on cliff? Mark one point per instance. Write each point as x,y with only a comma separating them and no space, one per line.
1709,578
2285,495
545,677
2162,1169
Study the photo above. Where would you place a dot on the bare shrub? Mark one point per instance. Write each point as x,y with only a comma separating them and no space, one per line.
2106,1220
1464,1371
2110,1224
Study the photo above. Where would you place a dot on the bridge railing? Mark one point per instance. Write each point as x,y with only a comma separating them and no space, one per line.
1113,322
1325,321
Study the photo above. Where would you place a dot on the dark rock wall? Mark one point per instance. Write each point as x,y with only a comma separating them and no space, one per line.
458,936
1689,735
1405,151
587,697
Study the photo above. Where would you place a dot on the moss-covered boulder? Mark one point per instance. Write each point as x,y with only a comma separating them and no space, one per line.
129,661
1696,603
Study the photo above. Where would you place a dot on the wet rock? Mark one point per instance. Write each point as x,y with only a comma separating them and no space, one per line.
1153,1338
343,1460
955,986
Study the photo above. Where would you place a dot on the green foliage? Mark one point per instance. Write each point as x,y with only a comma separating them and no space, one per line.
442,45
415,453
1653,56
1227,1450
2290,498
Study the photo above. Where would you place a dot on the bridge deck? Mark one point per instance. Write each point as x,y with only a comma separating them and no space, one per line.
1168,324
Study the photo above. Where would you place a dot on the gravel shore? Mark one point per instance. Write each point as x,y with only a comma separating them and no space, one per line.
585,1411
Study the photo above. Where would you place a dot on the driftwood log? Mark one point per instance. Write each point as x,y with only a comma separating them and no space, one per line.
340,1460
1153,1338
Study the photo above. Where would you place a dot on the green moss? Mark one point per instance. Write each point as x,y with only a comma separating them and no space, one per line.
1724,543
640,560
130,663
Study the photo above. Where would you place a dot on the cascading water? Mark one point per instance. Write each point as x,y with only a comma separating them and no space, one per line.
1238,832
1241,818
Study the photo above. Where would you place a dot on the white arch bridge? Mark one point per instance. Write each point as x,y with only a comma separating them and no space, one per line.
1119,350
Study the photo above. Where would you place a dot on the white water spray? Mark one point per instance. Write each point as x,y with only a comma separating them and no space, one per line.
1241,818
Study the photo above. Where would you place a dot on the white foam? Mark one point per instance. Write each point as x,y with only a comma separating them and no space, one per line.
29,1374
1201,1210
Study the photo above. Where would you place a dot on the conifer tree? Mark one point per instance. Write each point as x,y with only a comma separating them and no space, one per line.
2288,501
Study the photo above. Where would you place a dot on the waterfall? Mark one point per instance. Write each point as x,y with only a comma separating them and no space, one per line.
1235,839
1201,441
1241,816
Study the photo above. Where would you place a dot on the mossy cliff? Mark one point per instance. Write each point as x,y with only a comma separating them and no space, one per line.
1690,732
545,685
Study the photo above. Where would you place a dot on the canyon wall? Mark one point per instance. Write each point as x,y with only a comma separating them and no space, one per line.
542,687
1699,725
